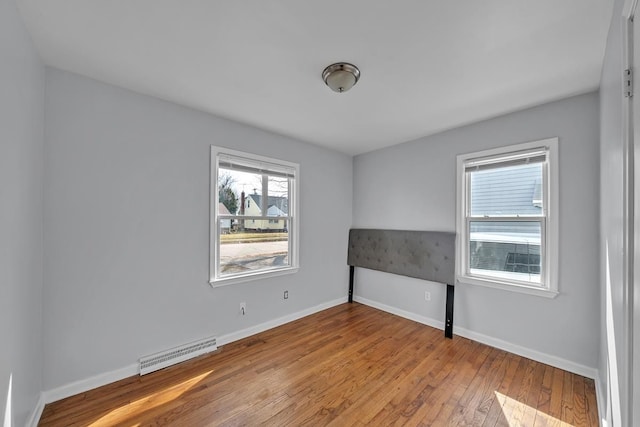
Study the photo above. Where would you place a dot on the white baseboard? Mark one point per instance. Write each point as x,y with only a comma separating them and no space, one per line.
96,381
399,312
90,383
36,413
601,398
244,333
538,356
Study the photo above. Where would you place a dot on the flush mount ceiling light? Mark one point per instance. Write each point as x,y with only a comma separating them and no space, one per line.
341,76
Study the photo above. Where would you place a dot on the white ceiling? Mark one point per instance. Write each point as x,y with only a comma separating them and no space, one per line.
426,65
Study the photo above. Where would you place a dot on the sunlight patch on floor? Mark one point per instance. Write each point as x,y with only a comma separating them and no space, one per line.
149,402
515,411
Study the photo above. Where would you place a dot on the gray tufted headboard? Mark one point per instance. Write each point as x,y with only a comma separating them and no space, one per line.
428,255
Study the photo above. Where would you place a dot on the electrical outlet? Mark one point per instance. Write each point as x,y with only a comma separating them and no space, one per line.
427,296
243,308
286,294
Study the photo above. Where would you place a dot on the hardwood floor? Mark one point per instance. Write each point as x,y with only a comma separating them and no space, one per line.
350,365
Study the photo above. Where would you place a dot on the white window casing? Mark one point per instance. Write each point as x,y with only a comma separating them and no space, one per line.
264,167
544,152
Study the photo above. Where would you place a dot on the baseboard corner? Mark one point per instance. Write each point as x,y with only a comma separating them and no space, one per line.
34,418
601,398
90,383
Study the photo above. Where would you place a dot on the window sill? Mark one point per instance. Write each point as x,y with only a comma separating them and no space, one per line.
512,287
216,283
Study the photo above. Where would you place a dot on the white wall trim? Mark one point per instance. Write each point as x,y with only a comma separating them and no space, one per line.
244,333
99,380
538,356
90,383
399,312
601,397
34,418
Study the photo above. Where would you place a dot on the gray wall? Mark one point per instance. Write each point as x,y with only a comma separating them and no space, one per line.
127,228
21,151
413,186
611,210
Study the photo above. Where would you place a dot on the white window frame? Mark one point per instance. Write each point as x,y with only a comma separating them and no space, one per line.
549,220
292,226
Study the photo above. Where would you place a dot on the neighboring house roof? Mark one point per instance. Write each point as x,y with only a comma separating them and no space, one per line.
280,203
222,209
274,211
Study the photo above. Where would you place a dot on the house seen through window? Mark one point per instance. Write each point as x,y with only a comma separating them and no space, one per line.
254,220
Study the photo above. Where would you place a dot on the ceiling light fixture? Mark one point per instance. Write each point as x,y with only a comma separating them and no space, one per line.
341,76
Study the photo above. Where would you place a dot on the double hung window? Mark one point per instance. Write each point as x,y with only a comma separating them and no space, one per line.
254,221
507,221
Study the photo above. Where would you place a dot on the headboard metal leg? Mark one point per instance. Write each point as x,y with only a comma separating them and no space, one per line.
448,325
351,270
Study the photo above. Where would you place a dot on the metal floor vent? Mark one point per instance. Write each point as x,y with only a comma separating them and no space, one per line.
176,355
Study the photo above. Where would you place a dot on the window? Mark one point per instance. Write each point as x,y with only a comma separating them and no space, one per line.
254,221
507,218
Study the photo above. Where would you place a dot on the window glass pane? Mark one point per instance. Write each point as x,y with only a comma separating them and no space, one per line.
506,249
278,196
246,251
511,190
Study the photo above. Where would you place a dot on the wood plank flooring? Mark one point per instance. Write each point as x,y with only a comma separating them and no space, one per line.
350,365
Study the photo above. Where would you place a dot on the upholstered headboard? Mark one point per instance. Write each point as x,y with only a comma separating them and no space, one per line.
428,255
